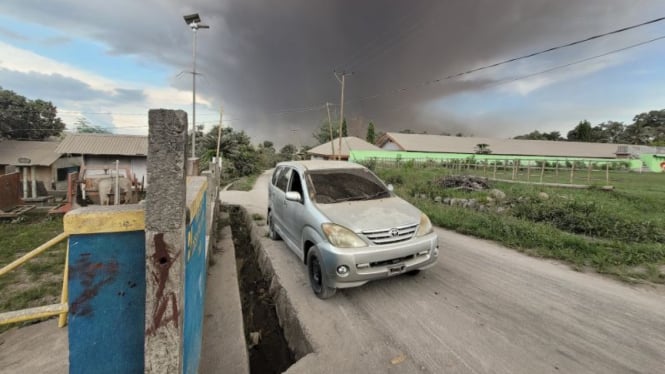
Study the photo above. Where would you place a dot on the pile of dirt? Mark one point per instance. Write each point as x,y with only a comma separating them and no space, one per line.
463,182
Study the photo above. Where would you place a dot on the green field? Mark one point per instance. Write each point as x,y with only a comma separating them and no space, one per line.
39,281
619,232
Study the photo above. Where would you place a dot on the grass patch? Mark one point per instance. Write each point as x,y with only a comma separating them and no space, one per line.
257,217
245,183
620,232
39,281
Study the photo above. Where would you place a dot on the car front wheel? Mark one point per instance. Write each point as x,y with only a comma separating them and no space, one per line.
317,276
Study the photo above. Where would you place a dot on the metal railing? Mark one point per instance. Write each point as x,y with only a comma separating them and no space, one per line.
45,311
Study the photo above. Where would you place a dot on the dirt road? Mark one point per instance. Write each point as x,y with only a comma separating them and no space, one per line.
482,309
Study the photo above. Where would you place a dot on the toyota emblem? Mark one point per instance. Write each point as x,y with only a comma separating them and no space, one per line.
394,232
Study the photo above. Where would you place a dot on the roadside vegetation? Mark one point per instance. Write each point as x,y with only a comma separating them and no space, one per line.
39,281
243,183
619,232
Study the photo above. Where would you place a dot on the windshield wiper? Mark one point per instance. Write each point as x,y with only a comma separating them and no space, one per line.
378,195
365,197
350,198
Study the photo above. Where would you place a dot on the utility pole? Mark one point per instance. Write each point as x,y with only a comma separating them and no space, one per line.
219,133
343,75
332,140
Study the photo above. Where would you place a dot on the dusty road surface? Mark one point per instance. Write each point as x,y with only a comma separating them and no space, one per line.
482,309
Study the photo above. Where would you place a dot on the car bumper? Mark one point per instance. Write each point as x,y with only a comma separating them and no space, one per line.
377,262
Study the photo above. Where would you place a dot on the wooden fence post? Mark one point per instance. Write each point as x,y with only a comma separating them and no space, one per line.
572,172
542,171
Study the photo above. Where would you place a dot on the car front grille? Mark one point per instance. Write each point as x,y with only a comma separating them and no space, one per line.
391,235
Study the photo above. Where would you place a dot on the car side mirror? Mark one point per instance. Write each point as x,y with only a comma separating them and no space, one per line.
390,187
293,196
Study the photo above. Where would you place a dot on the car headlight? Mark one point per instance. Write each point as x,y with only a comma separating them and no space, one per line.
425,226
341,237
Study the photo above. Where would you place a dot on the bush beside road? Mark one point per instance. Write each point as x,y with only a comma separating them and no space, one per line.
619,232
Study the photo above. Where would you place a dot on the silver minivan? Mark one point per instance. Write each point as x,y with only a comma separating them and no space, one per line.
346,225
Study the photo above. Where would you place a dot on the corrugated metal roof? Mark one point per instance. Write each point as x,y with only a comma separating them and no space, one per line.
39,153
104,144
518,147
348,142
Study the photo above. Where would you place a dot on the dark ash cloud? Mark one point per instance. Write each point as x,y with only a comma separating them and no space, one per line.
261,57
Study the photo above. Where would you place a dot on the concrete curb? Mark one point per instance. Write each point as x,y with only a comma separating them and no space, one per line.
224,349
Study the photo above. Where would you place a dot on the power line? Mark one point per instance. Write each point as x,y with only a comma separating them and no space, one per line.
449,77
562,66
590,38
508,80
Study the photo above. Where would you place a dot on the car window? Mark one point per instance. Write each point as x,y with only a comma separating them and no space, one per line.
283,179
276,173
333,186
296,184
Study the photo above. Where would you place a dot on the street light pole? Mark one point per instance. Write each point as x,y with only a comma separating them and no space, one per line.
194,22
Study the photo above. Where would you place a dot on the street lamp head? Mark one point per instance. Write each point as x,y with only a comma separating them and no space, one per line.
192,18
195,26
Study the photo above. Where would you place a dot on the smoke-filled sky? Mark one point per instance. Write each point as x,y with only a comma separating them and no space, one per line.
270,64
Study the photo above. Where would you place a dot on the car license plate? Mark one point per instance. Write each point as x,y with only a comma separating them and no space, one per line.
396,269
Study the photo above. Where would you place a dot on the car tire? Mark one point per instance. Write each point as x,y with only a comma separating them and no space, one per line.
272,234
317,277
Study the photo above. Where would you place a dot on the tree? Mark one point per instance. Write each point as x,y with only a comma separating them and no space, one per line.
21,118
647,128
83,126
483,149
345,131
267,155
322,134
240,157
287,152
581,133
371,135
608,132
537,135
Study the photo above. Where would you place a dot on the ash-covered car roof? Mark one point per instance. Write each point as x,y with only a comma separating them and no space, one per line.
321,165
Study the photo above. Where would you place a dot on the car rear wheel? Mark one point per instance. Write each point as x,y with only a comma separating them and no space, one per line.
317,277
271,228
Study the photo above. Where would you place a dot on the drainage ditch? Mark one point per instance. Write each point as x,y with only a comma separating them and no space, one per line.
268,349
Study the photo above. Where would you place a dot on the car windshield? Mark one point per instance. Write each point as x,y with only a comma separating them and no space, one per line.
334,186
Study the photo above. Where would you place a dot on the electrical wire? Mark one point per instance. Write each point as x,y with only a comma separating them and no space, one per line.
570,44
562,66
450,77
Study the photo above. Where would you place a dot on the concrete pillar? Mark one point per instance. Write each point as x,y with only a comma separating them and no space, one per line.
34,180
25,182
165,241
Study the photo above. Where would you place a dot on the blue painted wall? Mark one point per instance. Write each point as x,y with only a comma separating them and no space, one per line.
195,284
106,302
